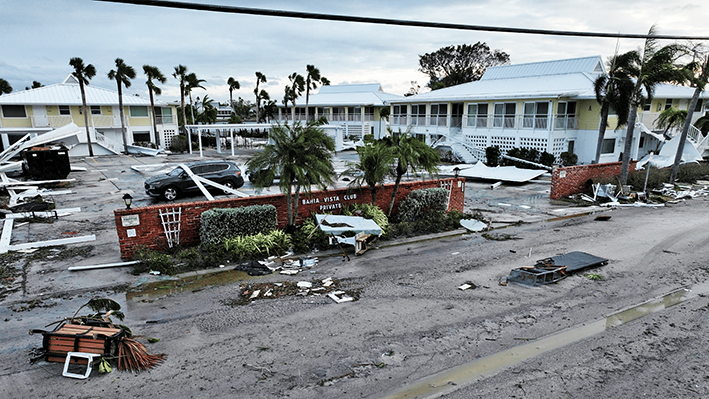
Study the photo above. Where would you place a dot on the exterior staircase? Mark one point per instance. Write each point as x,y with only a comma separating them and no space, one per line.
467,152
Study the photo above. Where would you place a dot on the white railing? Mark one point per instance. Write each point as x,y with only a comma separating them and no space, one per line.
54,121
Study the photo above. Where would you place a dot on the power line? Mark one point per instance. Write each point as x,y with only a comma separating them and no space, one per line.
386,21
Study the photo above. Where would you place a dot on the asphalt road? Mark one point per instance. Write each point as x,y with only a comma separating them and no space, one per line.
410,321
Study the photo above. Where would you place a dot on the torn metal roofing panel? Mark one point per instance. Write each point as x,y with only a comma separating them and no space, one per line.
338,224
501,173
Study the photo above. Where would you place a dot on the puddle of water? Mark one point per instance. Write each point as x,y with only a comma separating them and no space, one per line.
471,372
189,283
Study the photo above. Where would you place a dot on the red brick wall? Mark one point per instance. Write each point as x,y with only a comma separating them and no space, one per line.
149,230
572,179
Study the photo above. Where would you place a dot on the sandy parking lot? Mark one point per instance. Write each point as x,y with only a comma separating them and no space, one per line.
410,321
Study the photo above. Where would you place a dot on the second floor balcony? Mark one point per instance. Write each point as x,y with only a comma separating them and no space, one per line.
517,122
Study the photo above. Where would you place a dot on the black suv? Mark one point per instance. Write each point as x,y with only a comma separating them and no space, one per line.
177,182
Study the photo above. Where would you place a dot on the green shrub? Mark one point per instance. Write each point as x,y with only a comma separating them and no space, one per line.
258,245
421,202
308,237
179,144
431,222
528,154
492,155
368,211
547,159
153,261
568,158
223,223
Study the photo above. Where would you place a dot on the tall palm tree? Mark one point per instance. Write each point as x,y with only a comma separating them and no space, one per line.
312,78
374,166
153,73
233,85
698,82
649,69
413,154
302,156
122,75
297,86
260,78
5,87
612,91
193,82
84,73
181,75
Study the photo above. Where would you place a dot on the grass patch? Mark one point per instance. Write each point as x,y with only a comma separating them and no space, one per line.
594,277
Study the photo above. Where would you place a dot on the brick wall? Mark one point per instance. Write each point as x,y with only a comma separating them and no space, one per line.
143,226
572,179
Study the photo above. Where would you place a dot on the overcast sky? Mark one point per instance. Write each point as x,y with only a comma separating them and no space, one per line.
40,36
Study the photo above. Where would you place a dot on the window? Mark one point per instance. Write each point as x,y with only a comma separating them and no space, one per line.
504,115
137,111
536,115
95,110
439,114
418,114
698,108
14,111
338,113
64,110
399,115
608,146
668,103
477,115
647,107
566,115
141,137
354,113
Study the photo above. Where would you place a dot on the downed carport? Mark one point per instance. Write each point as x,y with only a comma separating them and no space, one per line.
556,268
350,230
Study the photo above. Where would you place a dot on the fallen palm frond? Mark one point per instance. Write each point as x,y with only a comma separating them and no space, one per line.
132,356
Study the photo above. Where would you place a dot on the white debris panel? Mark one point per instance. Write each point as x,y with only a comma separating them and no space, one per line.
666,157
338,224
500,173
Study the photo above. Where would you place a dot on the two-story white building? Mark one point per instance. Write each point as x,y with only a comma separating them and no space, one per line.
49,107
548,106
355,108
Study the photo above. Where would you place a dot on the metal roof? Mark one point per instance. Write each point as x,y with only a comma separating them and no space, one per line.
571,79
349,95
69,93
592,65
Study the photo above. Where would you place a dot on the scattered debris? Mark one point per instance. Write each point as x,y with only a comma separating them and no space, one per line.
602,218
340,297
327,286
467,285
554,269
106,265
473,225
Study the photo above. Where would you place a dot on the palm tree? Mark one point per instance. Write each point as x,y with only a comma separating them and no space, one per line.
698,82
193,82
297,86
181,75
5,87
83,74
612,91
208,113
671,118
648,69
122,75
301,155
410,153
260,78
375,164
233,85
153,73
312,78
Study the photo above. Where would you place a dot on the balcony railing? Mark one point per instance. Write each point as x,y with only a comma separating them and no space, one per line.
165,120
51,121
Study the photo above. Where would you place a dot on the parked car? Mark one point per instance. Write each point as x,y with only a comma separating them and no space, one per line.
256,173
177,182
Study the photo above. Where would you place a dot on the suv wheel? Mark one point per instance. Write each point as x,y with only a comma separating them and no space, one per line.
169,193
229,184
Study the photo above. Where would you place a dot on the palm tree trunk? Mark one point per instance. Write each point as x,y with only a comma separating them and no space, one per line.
601,131
155,118
685,131
373,191
86,118
628,143
289,200
393,194
120,112
296,198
